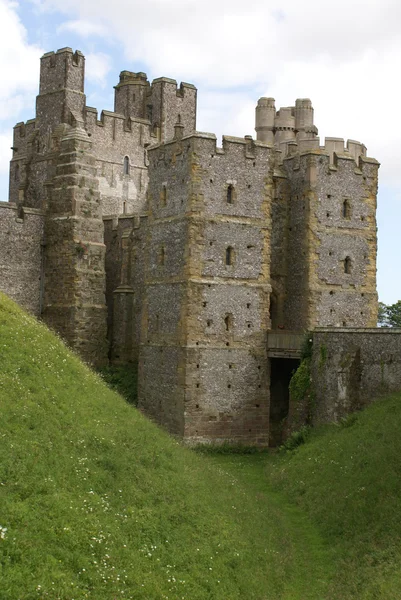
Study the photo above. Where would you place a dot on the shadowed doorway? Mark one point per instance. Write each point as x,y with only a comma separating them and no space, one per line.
281,371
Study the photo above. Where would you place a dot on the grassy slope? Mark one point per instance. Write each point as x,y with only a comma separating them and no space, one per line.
99,503
348,479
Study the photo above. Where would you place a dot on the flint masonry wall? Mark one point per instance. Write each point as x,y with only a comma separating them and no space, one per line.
352,367
21,259
122,187
74,301
214,314
147,115
125,240
279,248
331,275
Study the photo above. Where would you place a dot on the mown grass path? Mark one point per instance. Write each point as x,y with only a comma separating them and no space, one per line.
306,566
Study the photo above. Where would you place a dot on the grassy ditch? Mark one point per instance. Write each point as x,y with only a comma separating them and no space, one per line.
347,479
97,502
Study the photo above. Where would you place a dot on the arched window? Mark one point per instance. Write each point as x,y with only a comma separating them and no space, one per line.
126,165
228,321
347,265
230,255
230,194
346,209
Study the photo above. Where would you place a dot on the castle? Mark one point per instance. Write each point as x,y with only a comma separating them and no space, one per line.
141,241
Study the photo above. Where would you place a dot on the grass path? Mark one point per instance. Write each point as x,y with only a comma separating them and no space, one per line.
307,565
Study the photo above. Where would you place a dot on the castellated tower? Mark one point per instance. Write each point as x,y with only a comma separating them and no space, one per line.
160,102
324,225
206,308
61,99
331,259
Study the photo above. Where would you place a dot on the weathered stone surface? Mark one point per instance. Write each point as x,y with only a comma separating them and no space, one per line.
185,252
352,367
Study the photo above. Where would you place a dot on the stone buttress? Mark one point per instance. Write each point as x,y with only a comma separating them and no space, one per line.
74,300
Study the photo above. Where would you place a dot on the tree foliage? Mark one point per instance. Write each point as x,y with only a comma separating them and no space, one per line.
389,314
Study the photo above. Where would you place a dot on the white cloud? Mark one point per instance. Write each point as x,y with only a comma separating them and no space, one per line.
97,65
83,28
342,56
6,140
19,63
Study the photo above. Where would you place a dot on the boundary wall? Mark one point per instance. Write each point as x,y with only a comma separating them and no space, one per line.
21,255
353,367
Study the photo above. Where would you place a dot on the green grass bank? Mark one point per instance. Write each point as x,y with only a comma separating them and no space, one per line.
97,502
347,479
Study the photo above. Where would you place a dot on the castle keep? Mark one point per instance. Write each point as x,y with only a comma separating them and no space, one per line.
141,241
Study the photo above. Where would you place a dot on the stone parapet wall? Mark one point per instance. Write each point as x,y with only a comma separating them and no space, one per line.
21,255
353,367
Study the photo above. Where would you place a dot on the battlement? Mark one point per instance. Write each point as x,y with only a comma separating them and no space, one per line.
108,115
161,102
333,147
63,69
22,135
179,90
20,211
131,78
250,146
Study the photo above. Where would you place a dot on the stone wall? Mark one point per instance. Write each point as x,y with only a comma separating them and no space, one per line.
74,300
204,309
331,258
353,367
122,188
21,255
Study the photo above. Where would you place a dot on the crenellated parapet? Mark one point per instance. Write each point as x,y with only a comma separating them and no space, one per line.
161,103
333,147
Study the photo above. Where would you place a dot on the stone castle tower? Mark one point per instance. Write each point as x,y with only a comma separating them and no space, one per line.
143,242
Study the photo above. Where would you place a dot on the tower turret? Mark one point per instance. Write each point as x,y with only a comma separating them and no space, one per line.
305,129
61,90
285,125
131,94
264,122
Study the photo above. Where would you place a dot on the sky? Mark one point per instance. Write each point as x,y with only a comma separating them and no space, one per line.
345,56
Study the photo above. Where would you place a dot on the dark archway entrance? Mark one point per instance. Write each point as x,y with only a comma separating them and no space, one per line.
281,371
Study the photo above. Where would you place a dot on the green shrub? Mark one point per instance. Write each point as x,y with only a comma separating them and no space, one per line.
122,379
297,438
